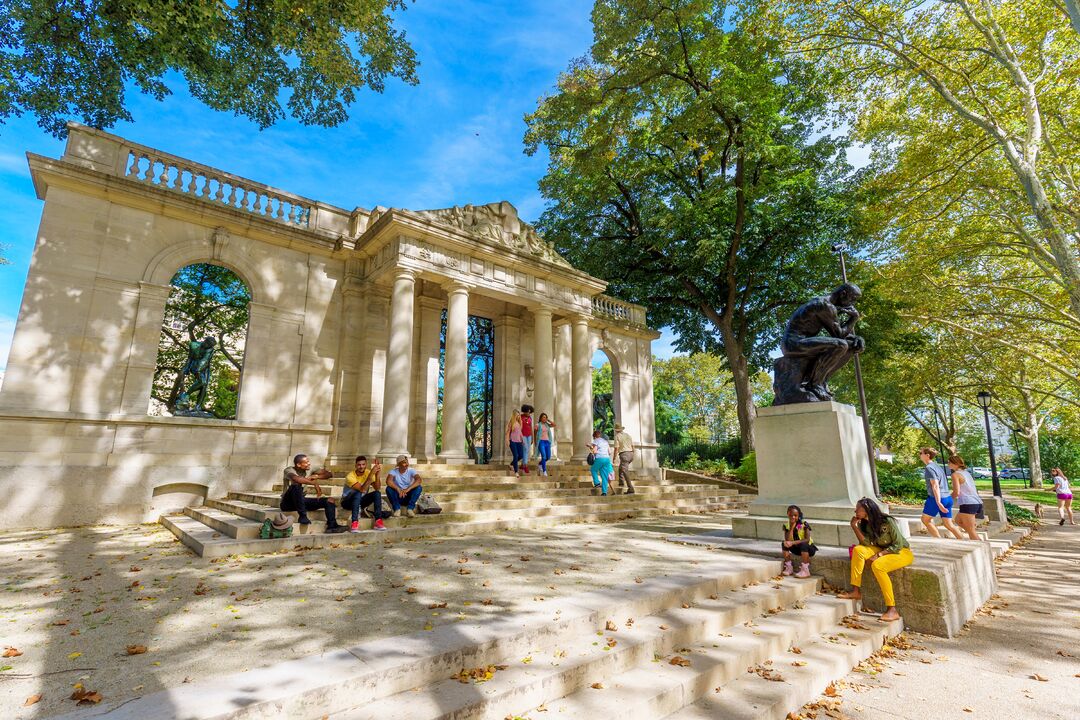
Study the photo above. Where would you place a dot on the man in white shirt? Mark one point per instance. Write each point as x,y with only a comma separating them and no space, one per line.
403,487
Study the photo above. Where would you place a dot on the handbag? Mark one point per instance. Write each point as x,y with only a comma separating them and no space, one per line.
590,458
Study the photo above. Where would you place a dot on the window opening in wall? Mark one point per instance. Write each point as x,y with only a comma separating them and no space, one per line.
479,409
201,348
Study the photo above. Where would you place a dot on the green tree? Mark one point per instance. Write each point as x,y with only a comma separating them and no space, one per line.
685,168
206,300
77,59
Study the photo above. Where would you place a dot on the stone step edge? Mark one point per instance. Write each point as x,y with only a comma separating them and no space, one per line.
751,697
655,689
313,685
208,543
520,684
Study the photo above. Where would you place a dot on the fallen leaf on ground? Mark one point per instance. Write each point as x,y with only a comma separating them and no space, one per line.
411,591
436,606
831,691
61,622
11,652
74,655
597,686
86,697
136,649
967,709
1038,677
32,700
610,625
680,661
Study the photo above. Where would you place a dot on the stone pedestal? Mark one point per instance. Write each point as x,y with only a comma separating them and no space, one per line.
812,455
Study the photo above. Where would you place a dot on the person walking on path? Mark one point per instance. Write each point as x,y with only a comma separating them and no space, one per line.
545,432
1064,496
797,541
883,546
965,496
293,500
601,468
403,487
361,490
624,450
526,435
938,499
516,441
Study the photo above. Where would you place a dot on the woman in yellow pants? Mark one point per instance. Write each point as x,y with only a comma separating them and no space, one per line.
883,546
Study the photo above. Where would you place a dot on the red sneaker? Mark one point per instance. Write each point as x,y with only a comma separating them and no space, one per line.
526,469
379,525
355,526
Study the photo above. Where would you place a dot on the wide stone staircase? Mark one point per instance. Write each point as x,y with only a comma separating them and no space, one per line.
474,499
725,639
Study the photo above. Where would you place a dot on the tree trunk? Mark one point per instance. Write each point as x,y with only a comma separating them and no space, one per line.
744,395
1031,437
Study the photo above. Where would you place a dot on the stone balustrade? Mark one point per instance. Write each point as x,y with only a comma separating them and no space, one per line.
608,308
168,172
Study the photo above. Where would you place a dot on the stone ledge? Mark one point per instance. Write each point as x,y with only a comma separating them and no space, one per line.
118,419
943,589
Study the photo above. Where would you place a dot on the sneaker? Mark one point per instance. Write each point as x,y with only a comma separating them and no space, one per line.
526,469
603,494
337,529
379,525
304,520
409,512
355,526
1061,521
788,569
395,513
804,571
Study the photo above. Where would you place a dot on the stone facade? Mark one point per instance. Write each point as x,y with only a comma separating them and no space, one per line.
342,352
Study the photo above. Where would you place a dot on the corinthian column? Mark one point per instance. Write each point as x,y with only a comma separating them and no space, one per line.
542,356
397,381
455,374
583,392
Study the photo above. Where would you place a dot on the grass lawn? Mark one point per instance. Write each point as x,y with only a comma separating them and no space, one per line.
1007,484
1040,496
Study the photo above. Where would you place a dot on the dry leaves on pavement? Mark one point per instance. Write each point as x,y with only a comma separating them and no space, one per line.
32,700
11,652
136,649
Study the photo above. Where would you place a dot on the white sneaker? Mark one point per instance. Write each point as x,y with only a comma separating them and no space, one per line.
395,513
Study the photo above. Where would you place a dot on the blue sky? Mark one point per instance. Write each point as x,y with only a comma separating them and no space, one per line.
453,139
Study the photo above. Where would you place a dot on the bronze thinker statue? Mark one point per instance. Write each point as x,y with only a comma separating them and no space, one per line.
200,353
810,357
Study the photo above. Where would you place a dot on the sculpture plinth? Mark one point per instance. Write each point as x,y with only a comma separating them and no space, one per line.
812,455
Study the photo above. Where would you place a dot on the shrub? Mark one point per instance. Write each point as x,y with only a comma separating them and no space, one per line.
1019,515
900,483
747,472
680,454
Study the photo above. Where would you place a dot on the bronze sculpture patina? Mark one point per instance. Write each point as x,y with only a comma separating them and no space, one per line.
819,340
200,353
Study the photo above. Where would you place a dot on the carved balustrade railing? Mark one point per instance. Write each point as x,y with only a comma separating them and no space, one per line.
609,308
176,174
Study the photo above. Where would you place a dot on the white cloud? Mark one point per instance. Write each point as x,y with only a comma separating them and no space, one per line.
7,330
13,164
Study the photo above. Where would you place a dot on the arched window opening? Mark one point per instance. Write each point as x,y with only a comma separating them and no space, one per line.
201,348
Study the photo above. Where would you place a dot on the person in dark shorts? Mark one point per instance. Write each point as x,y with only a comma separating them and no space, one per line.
797,541
293,500
966,496
938,499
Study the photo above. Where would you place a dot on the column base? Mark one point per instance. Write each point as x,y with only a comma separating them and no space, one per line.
462,459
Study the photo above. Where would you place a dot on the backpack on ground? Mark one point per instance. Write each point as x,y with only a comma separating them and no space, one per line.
426,505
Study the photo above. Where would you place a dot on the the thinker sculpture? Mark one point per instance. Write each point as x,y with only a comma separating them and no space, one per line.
200,353
810,357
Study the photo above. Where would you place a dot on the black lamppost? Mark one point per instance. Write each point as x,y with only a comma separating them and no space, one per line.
984,398
839,249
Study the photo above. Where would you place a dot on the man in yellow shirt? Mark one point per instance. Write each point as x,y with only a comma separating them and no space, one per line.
356,494
624,451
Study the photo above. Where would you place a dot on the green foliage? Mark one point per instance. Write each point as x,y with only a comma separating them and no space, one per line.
901,483
206,300
77,59
687,168
1019,515
682,454
747,470
1062,451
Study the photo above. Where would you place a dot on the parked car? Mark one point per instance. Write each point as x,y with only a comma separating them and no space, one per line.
1013,473
980,472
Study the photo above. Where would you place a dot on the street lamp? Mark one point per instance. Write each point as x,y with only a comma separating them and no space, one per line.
839,249
984,398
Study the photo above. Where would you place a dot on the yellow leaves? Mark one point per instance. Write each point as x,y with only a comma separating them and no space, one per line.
136,649
10,652
478,674
72,656
429,627
32,700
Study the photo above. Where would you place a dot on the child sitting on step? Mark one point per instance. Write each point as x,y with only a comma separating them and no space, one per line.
797,540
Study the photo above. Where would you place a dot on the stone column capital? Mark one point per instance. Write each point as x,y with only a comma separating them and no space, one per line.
578,319
542,311
456,287
404,273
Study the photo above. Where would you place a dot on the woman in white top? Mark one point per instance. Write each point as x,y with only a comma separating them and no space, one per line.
1064,495
966,496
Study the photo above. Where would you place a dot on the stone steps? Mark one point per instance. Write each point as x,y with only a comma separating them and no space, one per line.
448,496
722,616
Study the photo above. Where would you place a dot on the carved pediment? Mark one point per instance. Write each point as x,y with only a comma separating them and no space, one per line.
499,223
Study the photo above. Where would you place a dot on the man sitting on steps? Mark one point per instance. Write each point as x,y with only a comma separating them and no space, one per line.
403,486
293,500
361,490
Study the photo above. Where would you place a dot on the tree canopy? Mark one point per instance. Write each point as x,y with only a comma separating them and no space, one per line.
687,169
259,58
